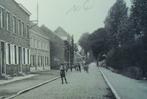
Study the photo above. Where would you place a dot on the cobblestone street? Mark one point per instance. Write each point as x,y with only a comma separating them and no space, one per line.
81,85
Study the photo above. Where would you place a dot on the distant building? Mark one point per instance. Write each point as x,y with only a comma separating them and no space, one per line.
14,39
60,32
56,48
40,49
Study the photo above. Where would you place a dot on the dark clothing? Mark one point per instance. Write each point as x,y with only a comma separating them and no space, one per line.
63,78
79,68
62,74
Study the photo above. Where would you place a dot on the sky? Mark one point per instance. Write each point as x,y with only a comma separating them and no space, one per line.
74,16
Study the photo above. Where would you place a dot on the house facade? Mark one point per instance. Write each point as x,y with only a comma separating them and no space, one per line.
14,38
40,49
56,48
62,34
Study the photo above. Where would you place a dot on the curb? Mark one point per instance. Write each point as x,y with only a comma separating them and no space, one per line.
11,81
109,84
28,89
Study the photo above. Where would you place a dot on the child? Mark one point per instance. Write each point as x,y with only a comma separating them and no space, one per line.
62,73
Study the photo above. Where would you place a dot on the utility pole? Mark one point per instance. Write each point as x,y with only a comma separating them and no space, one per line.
37,20
37,12
69,56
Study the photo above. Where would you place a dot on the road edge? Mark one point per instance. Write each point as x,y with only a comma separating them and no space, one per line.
109,84
31,88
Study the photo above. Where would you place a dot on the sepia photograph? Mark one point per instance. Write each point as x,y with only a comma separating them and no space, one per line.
73,49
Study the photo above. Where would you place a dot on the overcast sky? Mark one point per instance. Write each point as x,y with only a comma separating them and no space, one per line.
75,16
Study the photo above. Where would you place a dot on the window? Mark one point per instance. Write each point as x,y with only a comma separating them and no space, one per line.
12,54
22,29
27,31
19,55
14,26
24,55
9,54
46,46
2,57
39,45
41,61
28,52
47,61
15,54
36,43
38,60
8,21
34,60
1,17
19,28
33,44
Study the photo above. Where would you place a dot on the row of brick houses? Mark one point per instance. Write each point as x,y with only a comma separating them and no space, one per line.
40,49
14,38
25,47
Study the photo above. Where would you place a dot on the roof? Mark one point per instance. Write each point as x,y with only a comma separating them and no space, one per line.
60,29
23,8
51,34
60,32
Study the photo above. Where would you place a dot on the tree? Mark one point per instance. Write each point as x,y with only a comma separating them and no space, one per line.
76,47
114,21
84,42
72,49
67,50
98,43
139,28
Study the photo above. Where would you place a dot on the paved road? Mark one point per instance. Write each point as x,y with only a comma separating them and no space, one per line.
127,88
80,86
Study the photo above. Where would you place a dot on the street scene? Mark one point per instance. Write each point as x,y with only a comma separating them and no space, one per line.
73,49
81,85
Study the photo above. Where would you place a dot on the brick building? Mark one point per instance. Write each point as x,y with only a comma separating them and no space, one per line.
56,48
14,38
40,49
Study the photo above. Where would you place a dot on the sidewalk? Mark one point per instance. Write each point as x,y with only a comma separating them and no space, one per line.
2,82
126,88
11,87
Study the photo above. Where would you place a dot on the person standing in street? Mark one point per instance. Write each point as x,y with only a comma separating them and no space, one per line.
79,66
62,74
